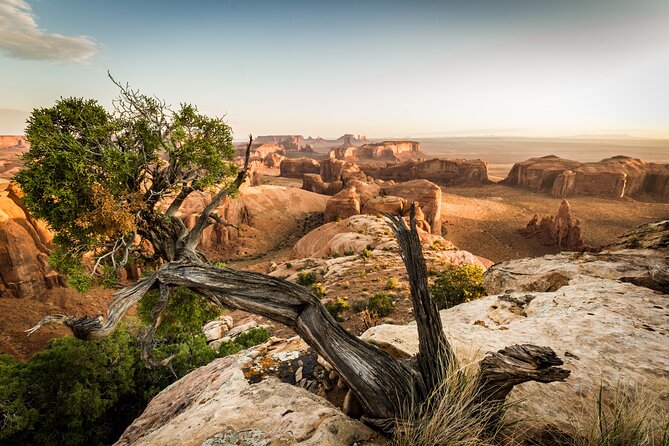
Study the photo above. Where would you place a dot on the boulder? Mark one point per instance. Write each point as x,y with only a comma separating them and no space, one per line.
562,230
609,333
216,405
425,193
295,168
342,205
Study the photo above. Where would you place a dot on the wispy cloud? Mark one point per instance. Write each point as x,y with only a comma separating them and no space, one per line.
21,37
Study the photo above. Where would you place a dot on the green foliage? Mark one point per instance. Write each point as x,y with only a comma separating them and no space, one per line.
318,289
307,278
78,393
359,305
72,392
457,285
245,340
366,253
95,176
185,314
80,281
289,265
337,307
380,304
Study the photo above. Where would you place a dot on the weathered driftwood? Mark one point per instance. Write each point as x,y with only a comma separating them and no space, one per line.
381,383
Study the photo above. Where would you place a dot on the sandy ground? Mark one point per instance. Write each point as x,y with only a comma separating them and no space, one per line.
485,220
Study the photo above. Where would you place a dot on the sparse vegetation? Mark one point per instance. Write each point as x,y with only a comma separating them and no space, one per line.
78,393
451,415
457,285
365,253
631,416
337,307
318,289
380,304
392,283
307,278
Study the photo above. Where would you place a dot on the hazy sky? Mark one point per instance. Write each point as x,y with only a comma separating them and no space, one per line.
381,68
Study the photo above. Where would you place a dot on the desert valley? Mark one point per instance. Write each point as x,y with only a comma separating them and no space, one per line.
547,229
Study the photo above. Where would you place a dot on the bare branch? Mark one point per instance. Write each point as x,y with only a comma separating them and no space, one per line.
434,350
203,219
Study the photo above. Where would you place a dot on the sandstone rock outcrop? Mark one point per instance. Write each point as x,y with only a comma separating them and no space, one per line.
333,249
297,167
609,333
24,248
425,193
288,142
216,405
440,171
562,230
266,216
343,204
616,177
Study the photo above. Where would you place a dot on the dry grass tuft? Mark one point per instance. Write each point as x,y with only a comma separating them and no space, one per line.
451,416
630,416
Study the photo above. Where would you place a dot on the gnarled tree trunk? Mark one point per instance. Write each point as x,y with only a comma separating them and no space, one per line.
382,384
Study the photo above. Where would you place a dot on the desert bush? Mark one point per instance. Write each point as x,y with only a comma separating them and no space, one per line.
392,283
337,307
457,285
380,304
359,305
318,289
307,278
366,253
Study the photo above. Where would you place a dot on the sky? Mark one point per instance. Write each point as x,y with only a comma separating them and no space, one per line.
379,68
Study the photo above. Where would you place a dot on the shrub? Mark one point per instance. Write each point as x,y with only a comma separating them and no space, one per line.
318,289
337,307
306,279
457,285
78,393
289,265
380,304
359,305
366,253
245,340
392,283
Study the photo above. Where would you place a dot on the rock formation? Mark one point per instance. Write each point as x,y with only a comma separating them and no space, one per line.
562,230
216,405
426,194
288,142
343,204
24,248
264,216
440,171
297,167
616,177
609,333
333,250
